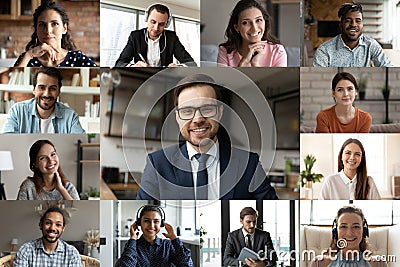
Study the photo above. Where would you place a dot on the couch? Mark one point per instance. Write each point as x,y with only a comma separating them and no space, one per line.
383,240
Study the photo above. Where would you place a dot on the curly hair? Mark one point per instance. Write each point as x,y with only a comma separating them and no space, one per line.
66,40
37,177
234,38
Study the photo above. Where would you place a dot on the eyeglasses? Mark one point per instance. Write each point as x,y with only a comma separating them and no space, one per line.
206,111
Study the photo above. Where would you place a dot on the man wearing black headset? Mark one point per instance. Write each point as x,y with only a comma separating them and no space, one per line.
150,250
154,46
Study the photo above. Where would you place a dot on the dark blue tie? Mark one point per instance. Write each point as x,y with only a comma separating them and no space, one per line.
202,177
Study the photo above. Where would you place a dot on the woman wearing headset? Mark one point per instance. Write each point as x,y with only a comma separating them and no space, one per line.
349,244
150,250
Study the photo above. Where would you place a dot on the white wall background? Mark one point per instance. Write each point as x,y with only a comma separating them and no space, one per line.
65,144
177,9
22,222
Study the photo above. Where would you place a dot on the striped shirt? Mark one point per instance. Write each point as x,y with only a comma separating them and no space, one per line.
33,254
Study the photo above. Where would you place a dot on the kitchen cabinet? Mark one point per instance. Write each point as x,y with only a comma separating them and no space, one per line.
18,9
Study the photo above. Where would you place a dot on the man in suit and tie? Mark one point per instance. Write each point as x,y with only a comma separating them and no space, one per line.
154,46
202,167
249,236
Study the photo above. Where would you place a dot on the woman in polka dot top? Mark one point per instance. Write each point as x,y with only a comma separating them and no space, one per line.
51,44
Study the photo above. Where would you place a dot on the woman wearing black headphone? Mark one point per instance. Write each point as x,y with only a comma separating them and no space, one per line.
150,250
349,244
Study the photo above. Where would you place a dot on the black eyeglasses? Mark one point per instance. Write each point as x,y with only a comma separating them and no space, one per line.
206,111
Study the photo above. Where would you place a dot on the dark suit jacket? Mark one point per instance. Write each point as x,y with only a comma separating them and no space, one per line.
236,242
168,175
137,44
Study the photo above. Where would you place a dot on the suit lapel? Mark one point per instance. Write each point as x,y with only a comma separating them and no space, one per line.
144,47
182,167
228,171
256,247
163,47
241,239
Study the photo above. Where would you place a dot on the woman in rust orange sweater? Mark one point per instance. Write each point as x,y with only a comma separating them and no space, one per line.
343,117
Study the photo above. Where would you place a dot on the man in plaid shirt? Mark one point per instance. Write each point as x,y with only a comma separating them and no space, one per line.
49,250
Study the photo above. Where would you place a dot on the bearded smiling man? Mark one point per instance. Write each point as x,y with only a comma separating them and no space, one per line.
49,250
43,114
351,48
202,167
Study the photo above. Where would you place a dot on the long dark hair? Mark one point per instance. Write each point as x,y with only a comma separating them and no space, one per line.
362,187
234,38
37,177
364,245
66,40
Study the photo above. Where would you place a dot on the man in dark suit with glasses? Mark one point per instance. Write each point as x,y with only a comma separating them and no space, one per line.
202,167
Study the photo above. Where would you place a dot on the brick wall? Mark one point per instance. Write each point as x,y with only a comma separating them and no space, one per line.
315,92
84,25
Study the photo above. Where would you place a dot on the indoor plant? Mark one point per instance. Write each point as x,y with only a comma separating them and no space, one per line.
385,92
307,175
362,86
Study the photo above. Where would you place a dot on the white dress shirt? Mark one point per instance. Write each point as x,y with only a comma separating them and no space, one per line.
213,169
339,186
245,233
153,52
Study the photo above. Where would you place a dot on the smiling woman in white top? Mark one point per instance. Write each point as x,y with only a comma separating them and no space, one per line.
352,181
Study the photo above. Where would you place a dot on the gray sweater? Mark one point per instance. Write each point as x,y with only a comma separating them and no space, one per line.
27,191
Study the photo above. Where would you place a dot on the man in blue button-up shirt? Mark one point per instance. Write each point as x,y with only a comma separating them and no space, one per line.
351,48
43,114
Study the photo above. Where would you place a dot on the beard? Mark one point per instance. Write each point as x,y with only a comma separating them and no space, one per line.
44,106
51,240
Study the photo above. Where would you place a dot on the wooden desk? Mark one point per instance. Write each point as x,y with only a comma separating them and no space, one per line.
123,186
114,191
105,191
286,193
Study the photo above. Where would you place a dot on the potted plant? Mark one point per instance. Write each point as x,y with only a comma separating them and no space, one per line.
307,176
385,92
362,86
92,194
91,137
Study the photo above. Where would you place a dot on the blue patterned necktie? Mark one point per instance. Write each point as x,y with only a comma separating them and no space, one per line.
202,177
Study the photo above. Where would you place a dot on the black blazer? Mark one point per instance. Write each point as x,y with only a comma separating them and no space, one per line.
236,242
168,175
137,44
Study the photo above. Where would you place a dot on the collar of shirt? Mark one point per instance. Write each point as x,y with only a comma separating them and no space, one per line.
59,248
143,241
213,152
245,233
351,184
213,169
341,43
346,180
57,113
